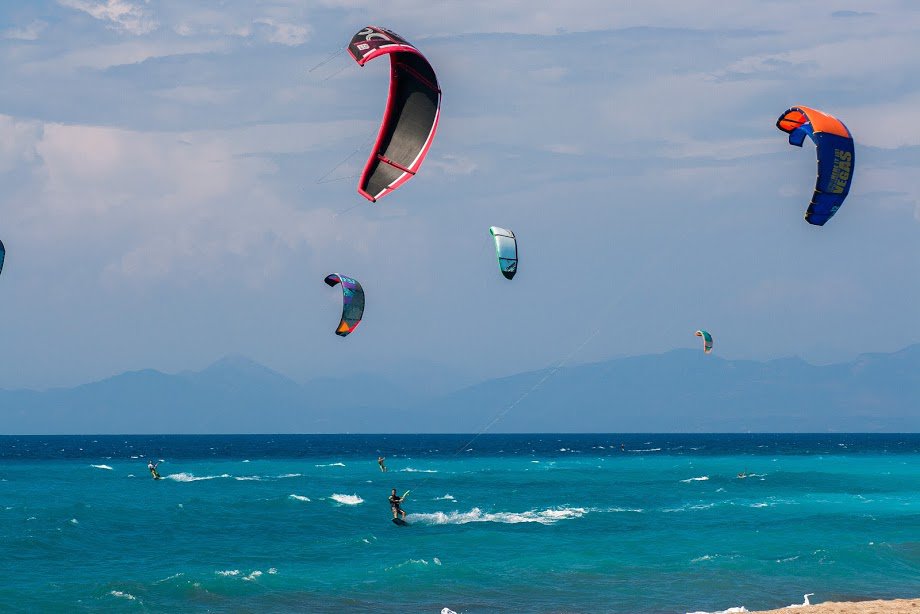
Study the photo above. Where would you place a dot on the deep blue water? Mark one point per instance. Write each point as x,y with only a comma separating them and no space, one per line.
511,523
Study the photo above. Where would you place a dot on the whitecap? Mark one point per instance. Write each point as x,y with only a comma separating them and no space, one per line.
759,505
190,477
548,516
702,478
74,521
445,498
123,595
648,450
228,572
248,478
346,499
245,461
436,561
253,576
411,470
299,497
272,571
409,562
728,611
106,467
290,475
331,465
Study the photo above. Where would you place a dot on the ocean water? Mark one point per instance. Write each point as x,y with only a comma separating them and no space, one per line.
511,523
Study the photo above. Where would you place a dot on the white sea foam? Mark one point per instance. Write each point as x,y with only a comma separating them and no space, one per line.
421,562
290,475
702,478
248,478
411,470
549,516
346,499
445,498
228,572
436,561
759,505
252,576
331,465
299,497
728,611
802,605
190,477
106,467
74,521
648,450
123,595
272,571
245,461
172,577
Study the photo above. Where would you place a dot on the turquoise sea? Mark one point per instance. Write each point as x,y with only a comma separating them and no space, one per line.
507,523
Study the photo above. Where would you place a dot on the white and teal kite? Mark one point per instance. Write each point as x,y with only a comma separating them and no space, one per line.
506,250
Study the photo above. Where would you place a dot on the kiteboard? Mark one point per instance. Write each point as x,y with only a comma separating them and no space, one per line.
400,522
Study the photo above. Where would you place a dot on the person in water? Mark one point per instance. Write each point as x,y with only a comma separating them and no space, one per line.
153,469
380,460
395,501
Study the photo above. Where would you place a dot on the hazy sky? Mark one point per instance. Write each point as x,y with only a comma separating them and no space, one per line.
160,206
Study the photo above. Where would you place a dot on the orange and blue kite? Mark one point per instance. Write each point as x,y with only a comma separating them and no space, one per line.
836,158
352,302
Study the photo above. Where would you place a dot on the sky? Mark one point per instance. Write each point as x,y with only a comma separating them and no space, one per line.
172,185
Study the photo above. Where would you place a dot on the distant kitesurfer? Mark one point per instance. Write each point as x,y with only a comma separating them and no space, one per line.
622,447
152,467
395,501
742,475
380,460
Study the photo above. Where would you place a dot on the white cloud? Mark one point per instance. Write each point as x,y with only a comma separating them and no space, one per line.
26,33
122,15
288,34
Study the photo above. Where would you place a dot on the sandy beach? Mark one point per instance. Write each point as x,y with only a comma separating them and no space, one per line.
880,606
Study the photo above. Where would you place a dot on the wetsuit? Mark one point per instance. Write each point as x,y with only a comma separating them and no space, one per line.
395,500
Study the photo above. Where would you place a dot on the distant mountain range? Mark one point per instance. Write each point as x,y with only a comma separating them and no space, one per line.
679,391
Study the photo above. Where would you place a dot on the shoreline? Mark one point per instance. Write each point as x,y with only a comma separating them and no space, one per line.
878,606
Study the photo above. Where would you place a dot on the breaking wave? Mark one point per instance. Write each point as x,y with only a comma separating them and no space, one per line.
346,499
190,477
549,516
103,467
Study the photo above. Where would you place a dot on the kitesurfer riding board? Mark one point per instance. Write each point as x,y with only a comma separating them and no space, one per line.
395,503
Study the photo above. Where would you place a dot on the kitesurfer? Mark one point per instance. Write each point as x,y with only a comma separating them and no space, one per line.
380,460
152,467
395,501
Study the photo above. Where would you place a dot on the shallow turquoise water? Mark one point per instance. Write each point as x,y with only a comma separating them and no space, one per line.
520,523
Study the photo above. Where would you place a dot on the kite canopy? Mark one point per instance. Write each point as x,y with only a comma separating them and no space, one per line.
707,340
836,158
506,250
411,116
2,255
352,302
